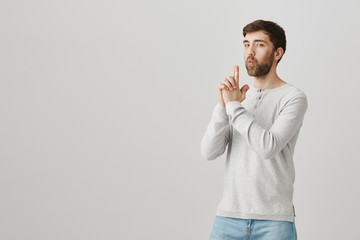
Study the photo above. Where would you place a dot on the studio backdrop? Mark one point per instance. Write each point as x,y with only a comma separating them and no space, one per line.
103,105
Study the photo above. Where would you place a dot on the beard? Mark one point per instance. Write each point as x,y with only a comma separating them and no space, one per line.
258,70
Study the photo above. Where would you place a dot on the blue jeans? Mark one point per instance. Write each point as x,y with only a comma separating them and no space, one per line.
226,228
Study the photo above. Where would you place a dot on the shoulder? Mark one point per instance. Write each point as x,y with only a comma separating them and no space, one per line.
290,92
293,96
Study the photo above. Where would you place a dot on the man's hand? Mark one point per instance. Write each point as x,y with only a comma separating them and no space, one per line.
229,89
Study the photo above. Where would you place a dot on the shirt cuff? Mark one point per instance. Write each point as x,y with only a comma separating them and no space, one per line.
220,111
231,106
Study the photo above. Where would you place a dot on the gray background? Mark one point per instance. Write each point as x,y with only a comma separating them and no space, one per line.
103,105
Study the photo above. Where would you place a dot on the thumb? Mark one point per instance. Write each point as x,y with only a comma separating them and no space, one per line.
244,88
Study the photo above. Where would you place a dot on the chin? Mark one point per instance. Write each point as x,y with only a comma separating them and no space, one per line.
251,73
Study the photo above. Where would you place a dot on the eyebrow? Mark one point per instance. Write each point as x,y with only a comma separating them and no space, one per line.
256,40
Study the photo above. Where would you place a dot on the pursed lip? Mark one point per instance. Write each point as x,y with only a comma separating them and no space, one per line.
249,61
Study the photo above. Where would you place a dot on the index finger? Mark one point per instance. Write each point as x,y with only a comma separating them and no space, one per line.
236,74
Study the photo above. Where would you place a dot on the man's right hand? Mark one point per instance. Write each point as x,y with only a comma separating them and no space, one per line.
228,87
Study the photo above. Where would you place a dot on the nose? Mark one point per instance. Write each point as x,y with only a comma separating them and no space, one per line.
251,52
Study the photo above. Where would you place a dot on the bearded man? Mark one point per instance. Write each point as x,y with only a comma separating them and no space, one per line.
259,125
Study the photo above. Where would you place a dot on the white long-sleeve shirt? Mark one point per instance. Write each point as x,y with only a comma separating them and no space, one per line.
260,133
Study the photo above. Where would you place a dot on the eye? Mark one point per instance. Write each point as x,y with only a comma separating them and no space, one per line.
260,44
246,45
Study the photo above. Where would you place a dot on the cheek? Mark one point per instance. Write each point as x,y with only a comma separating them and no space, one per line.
264,55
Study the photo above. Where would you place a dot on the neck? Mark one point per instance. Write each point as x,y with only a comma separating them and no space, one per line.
270,80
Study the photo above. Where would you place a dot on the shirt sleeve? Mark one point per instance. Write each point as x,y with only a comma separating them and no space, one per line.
268,142
217,134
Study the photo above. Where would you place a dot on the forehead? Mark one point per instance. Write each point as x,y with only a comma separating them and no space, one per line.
258,35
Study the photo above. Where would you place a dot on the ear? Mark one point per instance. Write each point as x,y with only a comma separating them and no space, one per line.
278,53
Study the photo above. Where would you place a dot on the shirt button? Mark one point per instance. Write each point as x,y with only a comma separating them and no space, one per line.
259,97
255,106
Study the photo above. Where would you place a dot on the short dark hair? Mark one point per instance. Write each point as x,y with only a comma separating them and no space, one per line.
272,29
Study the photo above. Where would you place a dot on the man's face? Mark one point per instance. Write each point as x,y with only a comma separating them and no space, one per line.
258,53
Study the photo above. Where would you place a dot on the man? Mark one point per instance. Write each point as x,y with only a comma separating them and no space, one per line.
260,126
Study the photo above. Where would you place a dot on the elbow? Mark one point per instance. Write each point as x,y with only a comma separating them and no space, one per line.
205,150
212,149
268,154
207,155
211,152
269,147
